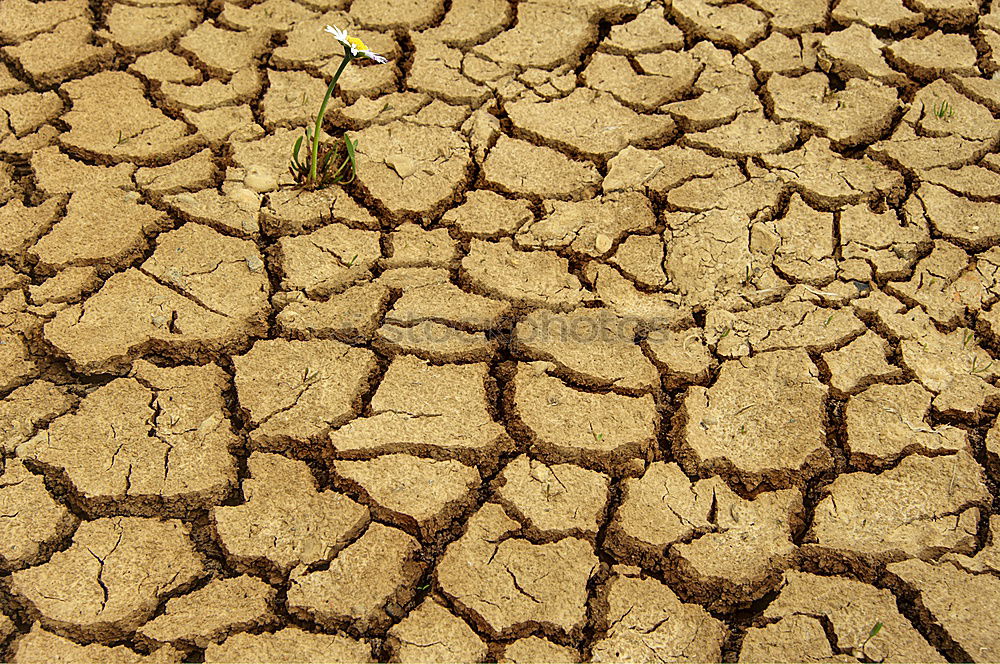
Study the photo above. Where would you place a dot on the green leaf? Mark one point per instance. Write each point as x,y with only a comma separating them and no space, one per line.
348,161
351,147
326,160
298,145
875,630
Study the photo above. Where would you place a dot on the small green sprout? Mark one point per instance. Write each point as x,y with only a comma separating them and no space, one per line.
876,628
725,333
827,321
328,165
598,437
310,376
350,263
967,336
121,139
977,369
424,587
943,110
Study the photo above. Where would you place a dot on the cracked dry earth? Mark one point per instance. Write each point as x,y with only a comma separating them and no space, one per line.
647,332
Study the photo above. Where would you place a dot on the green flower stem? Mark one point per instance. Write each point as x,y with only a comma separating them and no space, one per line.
322,111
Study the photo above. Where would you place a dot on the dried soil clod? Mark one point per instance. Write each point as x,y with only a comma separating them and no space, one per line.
647,622
435,342
349,316
668,76
327,260
532,278
110,601
29,407
296,390
857,53
852,608
289,644
888,14
145,29
21,19
735,25
488,215
649,32
614,427
166,444
422,495
412,170
222,52
809,171
593,346
449,304
551,175
925,506
517,583
33,521
471,22
64,52
749,135
40,646
724,549
136,131
24,225
218,303
589,227
792,323
936,55
196,172
589,123
285,520
860,113
661,508
561,498
544,35
762,421
433,634
889,241
103,227
535,649
956,600
886,422
383,556
787,639
209,614
408,414
859,364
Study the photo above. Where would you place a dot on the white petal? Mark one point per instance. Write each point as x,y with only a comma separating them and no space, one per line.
371,55
338,34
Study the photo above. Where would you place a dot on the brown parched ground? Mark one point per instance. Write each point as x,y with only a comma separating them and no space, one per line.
648,332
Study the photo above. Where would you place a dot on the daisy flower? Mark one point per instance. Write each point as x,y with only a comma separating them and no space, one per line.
356,46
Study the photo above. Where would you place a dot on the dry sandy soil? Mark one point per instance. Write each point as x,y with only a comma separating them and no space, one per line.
646,333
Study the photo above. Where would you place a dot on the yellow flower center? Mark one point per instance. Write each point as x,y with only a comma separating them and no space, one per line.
357,43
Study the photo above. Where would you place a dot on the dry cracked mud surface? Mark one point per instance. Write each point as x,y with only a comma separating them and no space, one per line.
649,331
